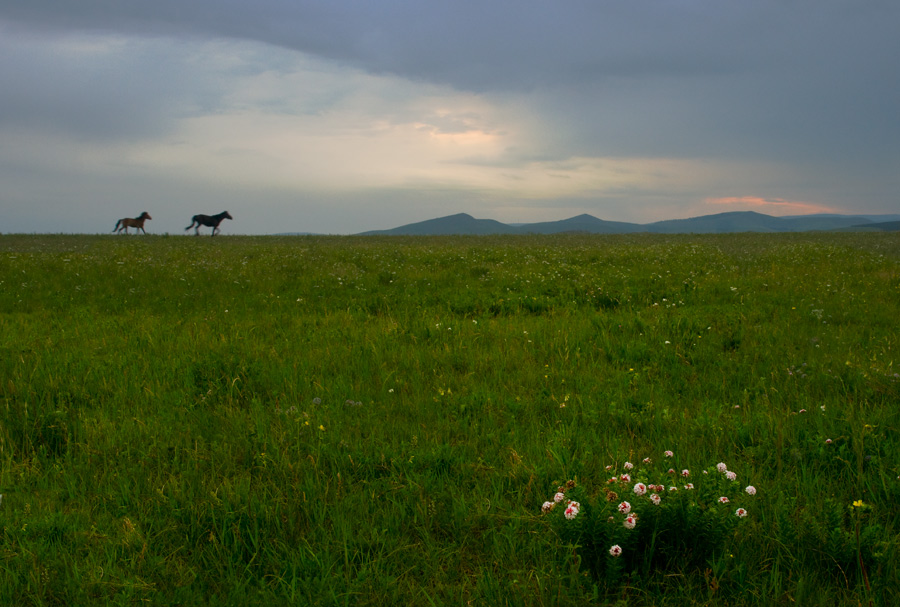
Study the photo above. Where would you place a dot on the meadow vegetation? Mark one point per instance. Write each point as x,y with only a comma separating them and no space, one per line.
379,420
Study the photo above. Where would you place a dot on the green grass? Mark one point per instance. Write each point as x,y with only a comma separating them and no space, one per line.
375,421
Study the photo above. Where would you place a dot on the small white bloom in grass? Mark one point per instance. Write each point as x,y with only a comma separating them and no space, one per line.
828,441
655,499
647,460
673,488
671,471
721,467
615,551
559,497
740,513
689,486
669,454
572,510
640,489
624,507
685,473
751,490
628,465
630,521
723,500
548,506
802,411
625,478
731,475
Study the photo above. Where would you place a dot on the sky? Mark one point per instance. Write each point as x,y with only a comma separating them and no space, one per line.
342,116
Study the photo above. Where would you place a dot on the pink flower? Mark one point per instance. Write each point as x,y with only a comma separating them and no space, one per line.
723,500
751,490
628,465
625,478
572,510
731,475
828,441
630,521
721,467
624,507
615,551
740,512
559,497
671,471
655,499
647,460
685,473
640,489
669,454
548,506
689,486
673,488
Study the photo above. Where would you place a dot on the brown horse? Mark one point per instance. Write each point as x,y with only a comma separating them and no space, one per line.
137,223
210,221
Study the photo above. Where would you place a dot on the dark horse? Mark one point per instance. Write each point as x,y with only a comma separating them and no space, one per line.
136,223
208,221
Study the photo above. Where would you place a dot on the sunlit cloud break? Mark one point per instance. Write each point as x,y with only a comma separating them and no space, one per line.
778,206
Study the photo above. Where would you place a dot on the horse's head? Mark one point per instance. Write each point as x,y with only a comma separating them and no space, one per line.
227,215
145,215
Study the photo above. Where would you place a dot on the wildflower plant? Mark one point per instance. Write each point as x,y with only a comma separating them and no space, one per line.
650,518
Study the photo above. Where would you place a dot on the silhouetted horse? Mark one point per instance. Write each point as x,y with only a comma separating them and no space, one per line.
208,221
128,222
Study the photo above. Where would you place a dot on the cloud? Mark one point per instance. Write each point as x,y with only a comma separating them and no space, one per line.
772,206
630,111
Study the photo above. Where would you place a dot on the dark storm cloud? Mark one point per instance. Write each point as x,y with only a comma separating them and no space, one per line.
793,78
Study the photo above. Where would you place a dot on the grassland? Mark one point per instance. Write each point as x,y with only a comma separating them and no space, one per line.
377,421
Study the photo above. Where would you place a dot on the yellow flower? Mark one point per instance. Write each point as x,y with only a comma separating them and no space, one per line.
322,428
858,504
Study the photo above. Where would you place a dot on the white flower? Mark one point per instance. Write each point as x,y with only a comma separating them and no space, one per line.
721,467
685,473
669,454
548,506
615,551
751,490
655,499
624,507
559,497
630,521
740,512
640,489
731,475
572,510
628,465
723,500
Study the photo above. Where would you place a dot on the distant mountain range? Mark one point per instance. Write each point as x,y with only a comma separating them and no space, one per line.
721,223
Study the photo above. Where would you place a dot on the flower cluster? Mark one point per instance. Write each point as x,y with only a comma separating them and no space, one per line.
661,510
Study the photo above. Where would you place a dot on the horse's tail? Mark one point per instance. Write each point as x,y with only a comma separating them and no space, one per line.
118,223
193,221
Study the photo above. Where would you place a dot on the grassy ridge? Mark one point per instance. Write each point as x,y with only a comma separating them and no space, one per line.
317,420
